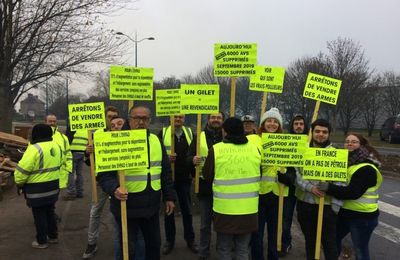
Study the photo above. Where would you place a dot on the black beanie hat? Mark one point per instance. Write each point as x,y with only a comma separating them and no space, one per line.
233,126
41,132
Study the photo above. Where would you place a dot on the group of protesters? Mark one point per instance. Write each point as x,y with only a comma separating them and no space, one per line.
238,195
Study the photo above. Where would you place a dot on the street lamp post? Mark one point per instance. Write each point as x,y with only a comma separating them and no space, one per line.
135,41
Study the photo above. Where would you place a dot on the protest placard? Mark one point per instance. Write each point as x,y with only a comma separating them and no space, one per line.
131,83
235,59
168,102
120,150
267,79
199,99
283,149
325,164
322,88
86,116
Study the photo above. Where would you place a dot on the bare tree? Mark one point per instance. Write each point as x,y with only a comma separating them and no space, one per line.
391,95
347,62
371,103
43,38
292,102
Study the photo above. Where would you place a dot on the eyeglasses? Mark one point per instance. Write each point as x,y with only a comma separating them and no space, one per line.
140,118
352,142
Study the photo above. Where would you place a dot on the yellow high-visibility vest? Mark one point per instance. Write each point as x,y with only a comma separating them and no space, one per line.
237,178
80,141
368,202
203,151
40,163
136,179
66,167
167,137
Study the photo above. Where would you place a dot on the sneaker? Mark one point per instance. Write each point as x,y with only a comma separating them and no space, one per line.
285,250
193,247
35,244
52,240
167,248
69,197
90,251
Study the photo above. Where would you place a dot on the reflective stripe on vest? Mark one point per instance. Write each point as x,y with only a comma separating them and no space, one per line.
237,177
269,181
80,141
136,179
167,137
41,195
368,202
203,151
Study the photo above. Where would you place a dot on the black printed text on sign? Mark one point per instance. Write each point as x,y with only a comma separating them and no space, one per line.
199,99
131,83
325,164
87,116
322,88
235,59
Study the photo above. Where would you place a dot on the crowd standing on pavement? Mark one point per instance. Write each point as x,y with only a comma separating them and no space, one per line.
238,197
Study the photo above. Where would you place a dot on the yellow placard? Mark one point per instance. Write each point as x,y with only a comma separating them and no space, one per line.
235,59
267,79
325,164
322,88
283,149
199,99
131,83
120,150
168,102
86,116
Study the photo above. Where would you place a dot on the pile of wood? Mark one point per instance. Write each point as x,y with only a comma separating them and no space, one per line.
12,147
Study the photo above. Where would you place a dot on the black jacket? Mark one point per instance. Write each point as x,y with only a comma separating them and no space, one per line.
212,137
183,173
360,182
140,204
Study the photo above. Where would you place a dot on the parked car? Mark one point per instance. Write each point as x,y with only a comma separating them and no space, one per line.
390,130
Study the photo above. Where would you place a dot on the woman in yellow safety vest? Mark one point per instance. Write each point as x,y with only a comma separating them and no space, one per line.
271,122
359,213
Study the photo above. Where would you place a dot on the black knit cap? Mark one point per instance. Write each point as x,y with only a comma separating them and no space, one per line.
41,132
233,126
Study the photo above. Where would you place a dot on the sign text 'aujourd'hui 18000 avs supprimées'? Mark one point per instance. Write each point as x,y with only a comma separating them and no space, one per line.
235,59
283,149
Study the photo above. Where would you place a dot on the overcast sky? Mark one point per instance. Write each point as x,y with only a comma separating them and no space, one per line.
284,30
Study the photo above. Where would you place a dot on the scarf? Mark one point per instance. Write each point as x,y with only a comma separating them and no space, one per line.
358,156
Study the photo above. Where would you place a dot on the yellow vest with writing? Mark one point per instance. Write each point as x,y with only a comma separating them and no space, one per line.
136,179
237,177
368,202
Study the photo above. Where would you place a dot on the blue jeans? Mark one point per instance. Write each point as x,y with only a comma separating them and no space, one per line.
75,184
185,201
95,214
239,242
267,212
206,213
288,209
360,231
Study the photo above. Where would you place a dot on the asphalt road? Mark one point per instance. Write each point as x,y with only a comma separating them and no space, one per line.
17,230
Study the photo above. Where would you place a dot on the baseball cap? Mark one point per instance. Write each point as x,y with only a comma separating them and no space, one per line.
247,118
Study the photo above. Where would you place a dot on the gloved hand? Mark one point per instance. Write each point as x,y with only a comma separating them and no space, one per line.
283,178
323,186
